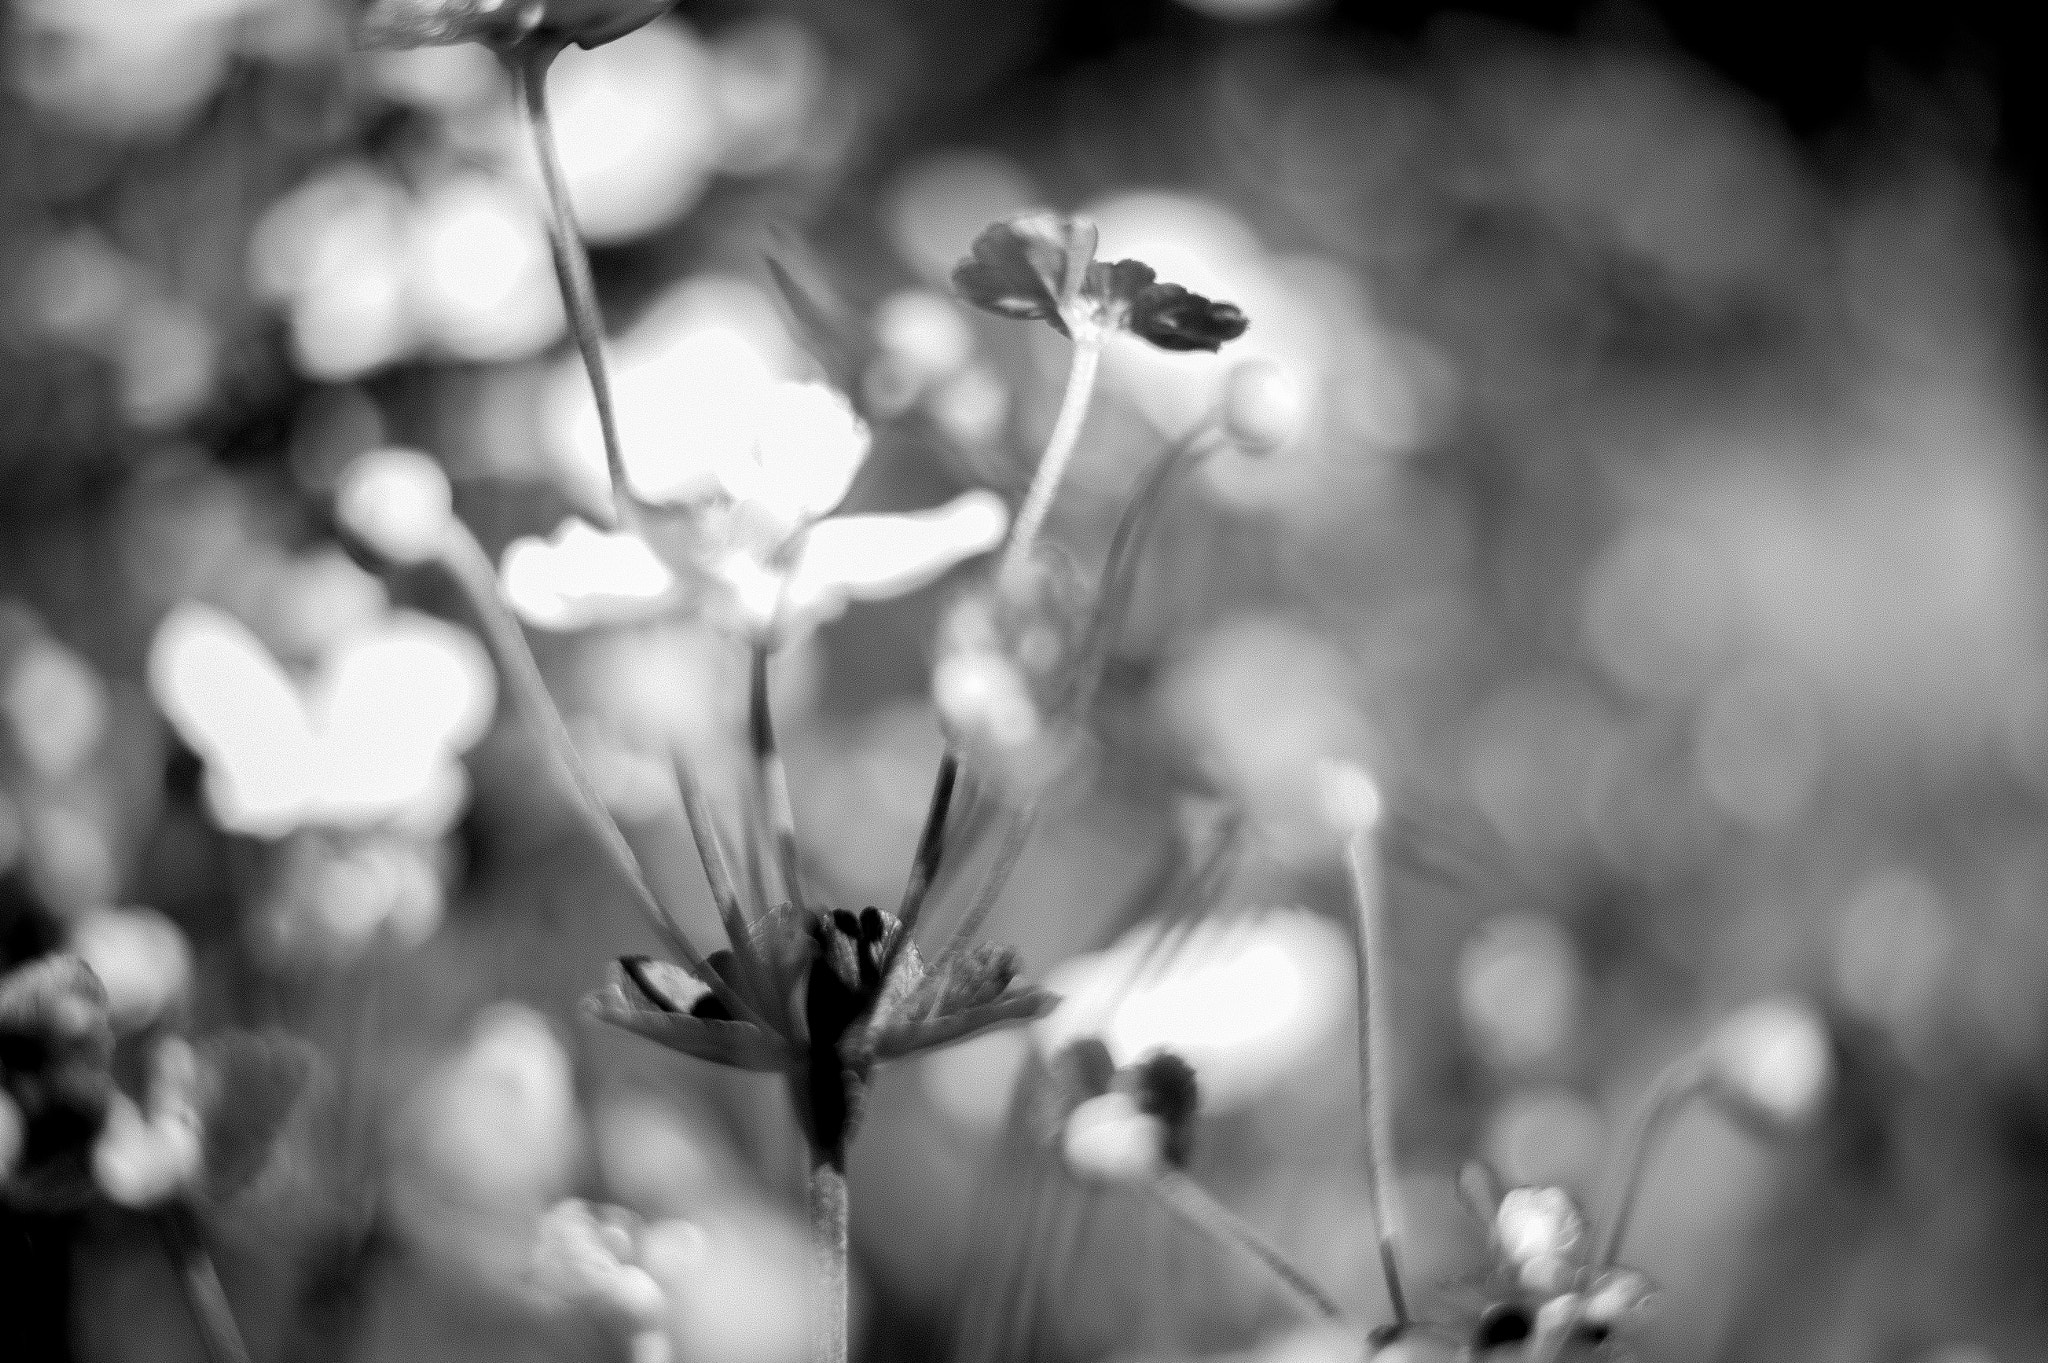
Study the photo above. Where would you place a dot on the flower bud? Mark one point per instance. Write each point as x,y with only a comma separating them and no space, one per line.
145,1161
1263,407
1111,1140
398,502
1771,1062
1539,1231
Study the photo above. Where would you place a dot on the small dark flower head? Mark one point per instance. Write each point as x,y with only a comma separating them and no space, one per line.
837,994
1543,1281
1042,267
503,23
1164,1087
56,1046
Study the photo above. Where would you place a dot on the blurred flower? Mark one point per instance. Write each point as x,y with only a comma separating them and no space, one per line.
332,898
585,1257
141,959
374,739
56,1043
421,23
1518,986
582,576
1772,1062
480,284
1246,1004
398,502
864,993
1135,1130
1542,1287
1042,267
55,706
1263,407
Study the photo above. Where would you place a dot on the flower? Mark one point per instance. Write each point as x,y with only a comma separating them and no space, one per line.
783,458
1140,1124
1042,267
1771,1064
1543,1283
503,23
56,1049
588,1257
398,502
834,994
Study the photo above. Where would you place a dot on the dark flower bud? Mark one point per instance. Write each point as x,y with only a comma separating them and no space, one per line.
1164,1086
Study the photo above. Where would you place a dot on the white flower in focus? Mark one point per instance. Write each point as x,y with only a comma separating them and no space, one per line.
398,502
581,576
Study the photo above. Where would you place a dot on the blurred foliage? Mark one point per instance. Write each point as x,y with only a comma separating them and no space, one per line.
1666,537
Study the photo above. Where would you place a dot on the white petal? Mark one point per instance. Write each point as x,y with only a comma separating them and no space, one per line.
807,446
230,701
868,558
582,576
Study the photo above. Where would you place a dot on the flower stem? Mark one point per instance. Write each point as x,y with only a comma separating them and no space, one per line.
1195,1205
201,1281
771,780
1059,449
530,62
1022,821
830,1228
1678,1084
471,568
1383,1190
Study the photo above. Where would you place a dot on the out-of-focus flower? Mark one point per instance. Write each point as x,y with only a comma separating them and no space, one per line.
480,285
1543,1287
55,707
1772,1063
56,1043
398,502
140,957
1042,267
1263,407
1140,1125
503,23
373,740
586,1257
836,993
1246,1004
790,451
331,899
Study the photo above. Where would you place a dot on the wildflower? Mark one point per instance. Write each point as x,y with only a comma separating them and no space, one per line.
1263,408
398,502
765,537
1544,1284
588,1257
1042,267
1770,1064
834,994
503,23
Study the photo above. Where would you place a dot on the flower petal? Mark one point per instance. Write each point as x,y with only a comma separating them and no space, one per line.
581,576
738,1045
428,23
1172,318
869,558
807,447
1025,267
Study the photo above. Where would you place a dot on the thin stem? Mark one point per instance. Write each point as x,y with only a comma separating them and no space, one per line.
1014,838
931,847
830,1228
201,1280
771,780
471,567
1195,1205
1678,1084
572,262
1059,449
1382,1187
718,875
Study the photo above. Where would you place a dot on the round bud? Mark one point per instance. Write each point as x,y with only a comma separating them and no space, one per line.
1111,1140
1263,407
1772,1061
398,502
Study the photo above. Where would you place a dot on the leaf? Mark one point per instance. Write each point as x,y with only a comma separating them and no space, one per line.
250,1083
898,1040
820,319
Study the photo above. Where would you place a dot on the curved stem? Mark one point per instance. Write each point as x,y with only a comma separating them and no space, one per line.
1195,1205
211,1312
771,779
1059,449
471,568
1678,1084
572,262
1382,1187
831,1224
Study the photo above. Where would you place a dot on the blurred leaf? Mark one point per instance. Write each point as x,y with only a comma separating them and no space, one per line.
250,1084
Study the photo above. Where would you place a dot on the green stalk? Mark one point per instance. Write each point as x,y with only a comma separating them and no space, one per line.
771,779
471,567
529,64
1678,1084
211,1313
1059,449
830,1244
1194,1204
1382,1187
